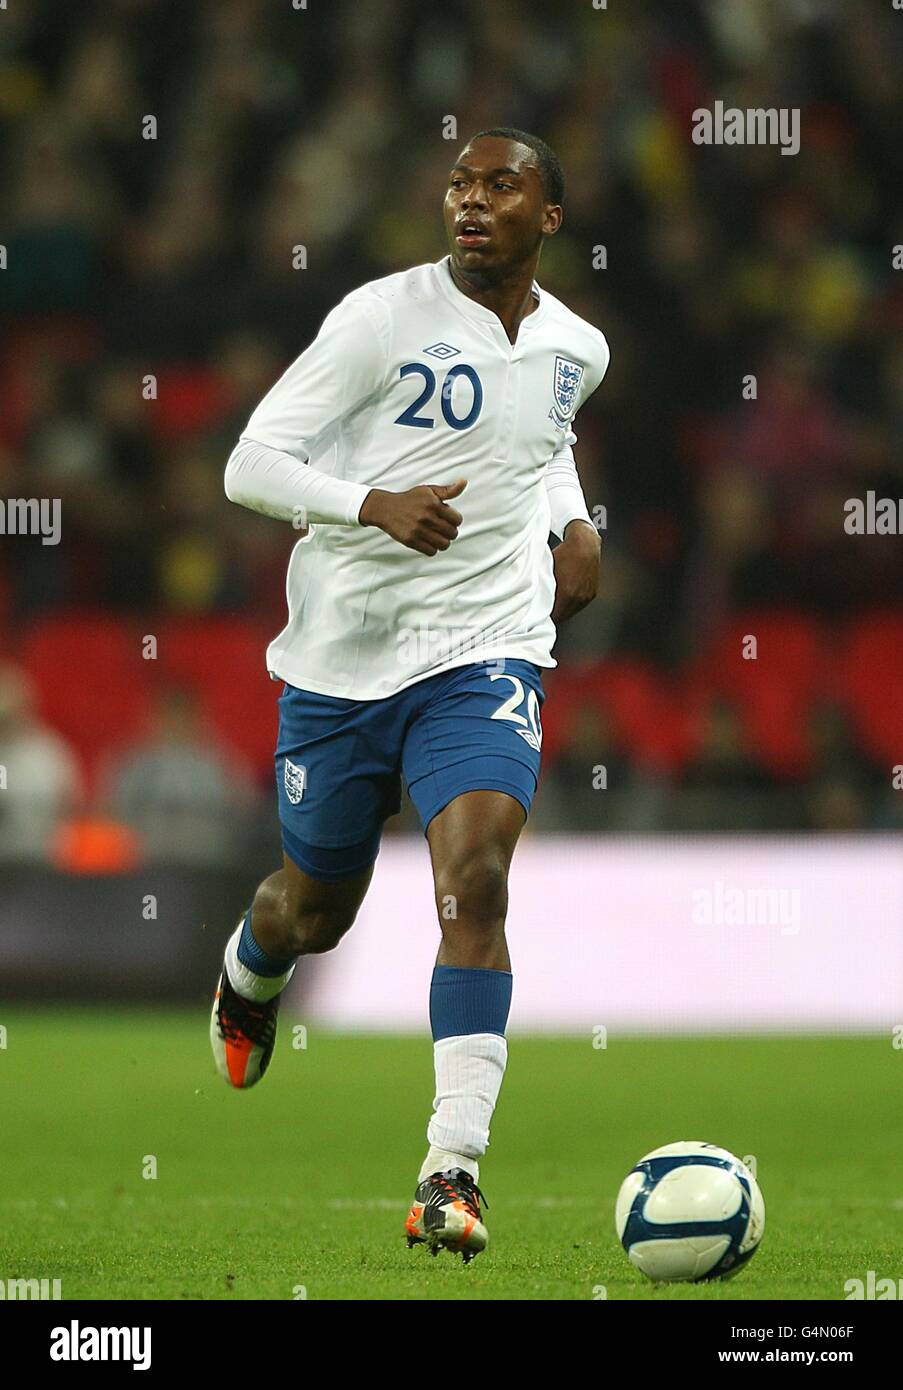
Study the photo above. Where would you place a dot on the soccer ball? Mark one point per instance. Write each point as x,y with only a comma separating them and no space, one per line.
689,1211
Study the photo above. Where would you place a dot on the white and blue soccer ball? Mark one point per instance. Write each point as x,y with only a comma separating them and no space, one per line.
689,1211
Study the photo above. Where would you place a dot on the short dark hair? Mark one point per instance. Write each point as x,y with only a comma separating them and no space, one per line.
550,168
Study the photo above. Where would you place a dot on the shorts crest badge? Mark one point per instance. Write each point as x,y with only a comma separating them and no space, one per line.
295,781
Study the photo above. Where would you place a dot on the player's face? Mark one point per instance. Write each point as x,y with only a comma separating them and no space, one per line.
496,213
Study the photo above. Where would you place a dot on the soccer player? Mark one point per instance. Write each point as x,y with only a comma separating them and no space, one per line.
424,439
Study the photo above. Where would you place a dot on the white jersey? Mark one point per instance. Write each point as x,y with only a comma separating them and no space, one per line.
408,382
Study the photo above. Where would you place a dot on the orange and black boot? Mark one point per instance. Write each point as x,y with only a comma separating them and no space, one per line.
446,1215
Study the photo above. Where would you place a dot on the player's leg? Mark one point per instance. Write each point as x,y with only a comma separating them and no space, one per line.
297,915
483,747
337,781
471,845
292,915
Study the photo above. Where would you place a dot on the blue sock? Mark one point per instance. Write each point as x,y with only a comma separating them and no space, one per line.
465,1000
253,957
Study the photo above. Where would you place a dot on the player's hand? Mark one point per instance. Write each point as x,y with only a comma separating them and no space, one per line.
576,564
420,518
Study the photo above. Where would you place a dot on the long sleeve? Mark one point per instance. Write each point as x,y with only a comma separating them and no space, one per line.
566,500
300,417
280,485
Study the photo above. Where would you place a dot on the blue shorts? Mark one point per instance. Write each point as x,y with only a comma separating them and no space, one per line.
339,762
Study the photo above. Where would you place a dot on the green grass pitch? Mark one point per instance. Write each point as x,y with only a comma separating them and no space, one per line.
303,1183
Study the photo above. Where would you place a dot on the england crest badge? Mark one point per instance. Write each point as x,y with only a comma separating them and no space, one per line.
568,376
295,781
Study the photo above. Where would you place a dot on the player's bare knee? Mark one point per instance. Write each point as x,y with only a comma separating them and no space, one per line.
314,931
472,893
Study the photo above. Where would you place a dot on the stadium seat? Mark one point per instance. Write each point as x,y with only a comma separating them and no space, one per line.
773,691
189,399
871,667
221,659
92,684
646,713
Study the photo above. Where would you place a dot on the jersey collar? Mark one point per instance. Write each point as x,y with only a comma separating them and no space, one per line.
479,312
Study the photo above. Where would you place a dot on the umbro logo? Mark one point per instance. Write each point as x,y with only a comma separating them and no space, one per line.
441,350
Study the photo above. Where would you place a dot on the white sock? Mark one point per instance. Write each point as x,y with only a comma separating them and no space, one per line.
469,1072
258,988
440,1161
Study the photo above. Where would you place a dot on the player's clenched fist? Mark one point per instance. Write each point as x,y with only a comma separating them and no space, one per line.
420,518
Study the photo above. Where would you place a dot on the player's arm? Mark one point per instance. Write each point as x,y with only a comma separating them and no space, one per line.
419,518
576,559
268,470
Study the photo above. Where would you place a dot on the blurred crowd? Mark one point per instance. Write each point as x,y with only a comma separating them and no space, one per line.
153,290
